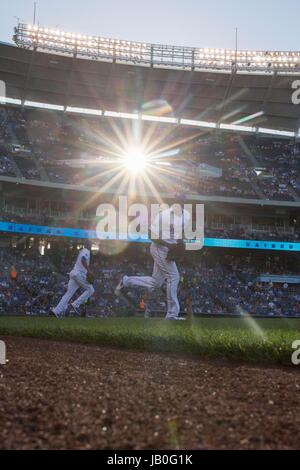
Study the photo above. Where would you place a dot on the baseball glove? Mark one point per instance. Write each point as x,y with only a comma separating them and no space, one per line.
176,252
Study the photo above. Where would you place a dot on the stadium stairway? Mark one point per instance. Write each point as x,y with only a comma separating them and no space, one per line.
247,151
258,190
254,162
13,139
42,172
16,168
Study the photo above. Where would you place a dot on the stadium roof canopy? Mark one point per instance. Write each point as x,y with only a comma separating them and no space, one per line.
255,94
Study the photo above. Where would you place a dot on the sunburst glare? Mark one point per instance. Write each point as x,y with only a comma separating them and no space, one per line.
135,160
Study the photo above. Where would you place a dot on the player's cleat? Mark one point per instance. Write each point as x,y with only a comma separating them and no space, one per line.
75,310
175,318
120,292
120,288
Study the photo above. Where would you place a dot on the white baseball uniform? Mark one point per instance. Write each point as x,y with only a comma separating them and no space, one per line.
77,279
163,270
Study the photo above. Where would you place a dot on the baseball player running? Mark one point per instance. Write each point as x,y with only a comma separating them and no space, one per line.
165,251
80,277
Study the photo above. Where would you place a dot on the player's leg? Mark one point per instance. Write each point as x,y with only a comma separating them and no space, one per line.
63,304
168,270
150,282
88,292
172,288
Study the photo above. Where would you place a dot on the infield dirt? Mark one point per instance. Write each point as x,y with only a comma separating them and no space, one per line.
56,395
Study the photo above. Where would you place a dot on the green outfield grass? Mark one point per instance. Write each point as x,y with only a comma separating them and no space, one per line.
256,341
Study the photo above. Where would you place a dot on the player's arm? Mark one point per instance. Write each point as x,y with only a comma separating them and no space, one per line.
84,263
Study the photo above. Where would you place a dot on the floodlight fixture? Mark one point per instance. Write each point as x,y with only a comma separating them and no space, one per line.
101,48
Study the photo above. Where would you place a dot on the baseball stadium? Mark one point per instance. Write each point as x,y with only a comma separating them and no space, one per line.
86,120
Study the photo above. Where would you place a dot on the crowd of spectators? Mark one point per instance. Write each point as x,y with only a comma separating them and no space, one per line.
213,282
279,162
6,166
268,169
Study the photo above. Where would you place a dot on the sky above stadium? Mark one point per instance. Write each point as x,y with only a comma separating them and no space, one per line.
262,24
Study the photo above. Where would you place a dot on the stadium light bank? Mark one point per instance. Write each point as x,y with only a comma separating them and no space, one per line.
35,37
116,50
